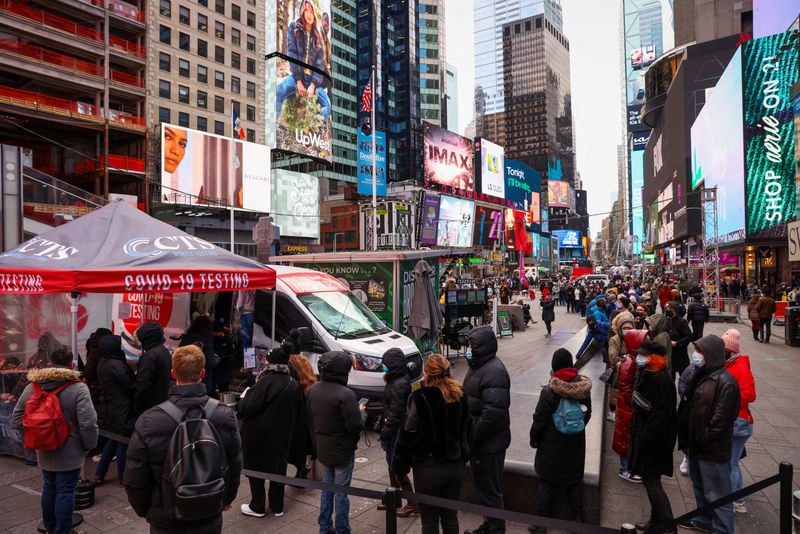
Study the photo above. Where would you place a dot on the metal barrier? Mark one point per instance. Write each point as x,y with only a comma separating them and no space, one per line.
724,307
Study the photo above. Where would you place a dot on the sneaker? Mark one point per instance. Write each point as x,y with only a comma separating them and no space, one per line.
636,479
96,458
691,525
684,468
612,416
739,508
278,514
246,510
624,475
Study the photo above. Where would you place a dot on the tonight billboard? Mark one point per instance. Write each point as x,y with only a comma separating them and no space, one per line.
448,158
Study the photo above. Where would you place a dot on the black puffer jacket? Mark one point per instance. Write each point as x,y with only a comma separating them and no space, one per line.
488,389
698,311
679,333
653,431
395,394
548,310
116,381
153,370
334,407
710,406
212,360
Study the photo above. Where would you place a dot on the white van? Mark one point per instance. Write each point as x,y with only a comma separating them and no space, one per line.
339,320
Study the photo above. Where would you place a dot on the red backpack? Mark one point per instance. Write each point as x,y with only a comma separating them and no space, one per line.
45,427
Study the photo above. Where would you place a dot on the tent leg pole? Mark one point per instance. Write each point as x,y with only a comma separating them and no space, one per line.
274,303
73,309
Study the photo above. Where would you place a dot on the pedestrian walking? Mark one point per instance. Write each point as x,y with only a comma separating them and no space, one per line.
434,442
559,437
681,336
765,308
201,333
153,369
60,449
151,452
653,430
488,386
274,403
626,381
708,410
116,382
548,313
698,315
338,420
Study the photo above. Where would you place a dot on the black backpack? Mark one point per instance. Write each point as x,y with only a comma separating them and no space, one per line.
195,467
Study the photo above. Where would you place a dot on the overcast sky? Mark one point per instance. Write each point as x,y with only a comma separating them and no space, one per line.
592,28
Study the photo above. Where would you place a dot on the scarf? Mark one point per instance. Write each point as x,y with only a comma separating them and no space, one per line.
273,368
566,374
656,363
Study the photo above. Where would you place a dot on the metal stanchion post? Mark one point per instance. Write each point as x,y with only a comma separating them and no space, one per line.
786,471
391,499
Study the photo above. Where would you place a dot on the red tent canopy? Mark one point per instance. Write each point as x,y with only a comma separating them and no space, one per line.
119,249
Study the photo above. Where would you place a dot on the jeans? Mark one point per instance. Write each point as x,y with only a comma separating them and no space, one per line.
110,449
58,499
487,470
766,328
742,430
342,476
440,480
246,329
624,467
711,481
289,86
660,509
544,498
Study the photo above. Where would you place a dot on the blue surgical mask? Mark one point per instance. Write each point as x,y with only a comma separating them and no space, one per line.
468,353
641,361
697,359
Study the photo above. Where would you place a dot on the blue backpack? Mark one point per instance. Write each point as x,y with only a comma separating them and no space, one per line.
568,417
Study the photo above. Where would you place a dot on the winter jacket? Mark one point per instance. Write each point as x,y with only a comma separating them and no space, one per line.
153,379
765,308
116,381
297,50
434,429
148,449
739,367
488,389
679,332
698,311
654,430
76,403
625,385
599,333
548,310
616,344
709,407
560,458
337,419
752,309
395,394
269,411
212,360
658,326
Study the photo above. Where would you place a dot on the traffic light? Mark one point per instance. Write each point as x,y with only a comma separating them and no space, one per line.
366,128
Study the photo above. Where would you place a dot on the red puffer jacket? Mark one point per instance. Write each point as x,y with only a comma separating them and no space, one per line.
739,367
627,381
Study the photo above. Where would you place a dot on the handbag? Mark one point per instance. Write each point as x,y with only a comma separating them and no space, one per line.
640,402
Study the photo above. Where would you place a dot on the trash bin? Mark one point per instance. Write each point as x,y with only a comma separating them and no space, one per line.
791,330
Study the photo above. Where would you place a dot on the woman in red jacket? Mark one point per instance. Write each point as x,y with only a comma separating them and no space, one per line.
627,381
739,366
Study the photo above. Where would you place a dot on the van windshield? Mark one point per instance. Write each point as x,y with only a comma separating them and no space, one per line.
342,314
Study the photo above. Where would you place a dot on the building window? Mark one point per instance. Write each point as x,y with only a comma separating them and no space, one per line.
251,113
184,15
251,135
219,6
251,89
183,94
219,127
202,74
219,54
236,37
236,60
235,106
202,99
236,13
202,23
219,79
251,66
219,104
219,30
183,68
235,85
164,115
202,48
251,19
165,8
164,62
183,41
165,34
202,124
251,43
183,119
164,89
203,3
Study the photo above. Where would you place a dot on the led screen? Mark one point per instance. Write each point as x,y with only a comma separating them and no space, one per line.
365,163
558,194
488,226
492,169
448,158
430,219
637,209
455,222
568,238
295,198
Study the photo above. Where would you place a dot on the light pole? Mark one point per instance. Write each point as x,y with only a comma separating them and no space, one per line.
334,239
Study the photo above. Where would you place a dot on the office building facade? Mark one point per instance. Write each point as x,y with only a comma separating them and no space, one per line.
451,89
698,21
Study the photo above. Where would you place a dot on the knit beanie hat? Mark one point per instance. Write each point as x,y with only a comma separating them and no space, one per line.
731,339
562,358
278,356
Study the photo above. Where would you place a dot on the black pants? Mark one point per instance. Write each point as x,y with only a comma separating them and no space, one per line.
548,324
544,499
660,509
439,480
258,496
766,328
487,469
697,329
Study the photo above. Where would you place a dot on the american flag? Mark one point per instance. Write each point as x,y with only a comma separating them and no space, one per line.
238,131
366,98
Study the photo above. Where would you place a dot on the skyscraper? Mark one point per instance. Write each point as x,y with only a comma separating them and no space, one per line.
451,89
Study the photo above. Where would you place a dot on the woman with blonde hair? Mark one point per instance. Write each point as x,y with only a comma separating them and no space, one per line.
434,441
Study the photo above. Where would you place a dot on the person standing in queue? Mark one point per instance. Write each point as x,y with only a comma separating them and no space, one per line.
681,336
201,333
488,386
151,386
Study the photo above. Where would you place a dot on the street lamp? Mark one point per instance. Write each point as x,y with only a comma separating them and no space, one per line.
334,239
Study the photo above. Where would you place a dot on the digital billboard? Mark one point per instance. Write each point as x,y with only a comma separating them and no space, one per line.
365,163
295,203
558,194
492,169
297,20
521,182
769,71
488,226
430,219
516,234
448,158
396,225
455,222
637,204
773,16
568,238
202,168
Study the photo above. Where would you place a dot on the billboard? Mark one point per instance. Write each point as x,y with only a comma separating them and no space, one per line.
774,16
295,21
202,168
492,169
448,158
295,203
365,163
637,203
521,184
769,72
488,226
455,222
516,231
396,225
568,238
430,219
558,194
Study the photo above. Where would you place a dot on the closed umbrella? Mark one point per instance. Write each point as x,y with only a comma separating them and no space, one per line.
425,319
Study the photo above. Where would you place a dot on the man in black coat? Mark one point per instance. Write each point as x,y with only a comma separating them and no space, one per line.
698,315
681,336
116,383
709,407
153,370
338,419
150,440
488,386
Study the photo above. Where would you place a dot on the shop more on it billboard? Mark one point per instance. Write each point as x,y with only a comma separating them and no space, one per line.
199,168
447,159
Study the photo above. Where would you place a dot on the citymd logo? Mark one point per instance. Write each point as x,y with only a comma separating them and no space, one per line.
144,247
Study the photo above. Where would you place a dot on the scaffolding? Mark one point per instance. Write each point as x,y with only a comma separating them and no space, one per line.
710,249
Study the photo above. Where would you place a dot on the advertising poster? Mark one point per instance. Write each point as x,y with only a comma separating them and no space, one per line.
448,158
396,225
365,163
132,310
558,194
295,198
516,235
492,175
488,226
455,222
769,73
636,196
568,238
199,168
429,223
521,184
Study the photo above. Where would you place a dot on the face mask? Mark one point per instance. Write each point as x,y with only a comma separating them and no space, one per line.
671,314
697,359
468,353
641,361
